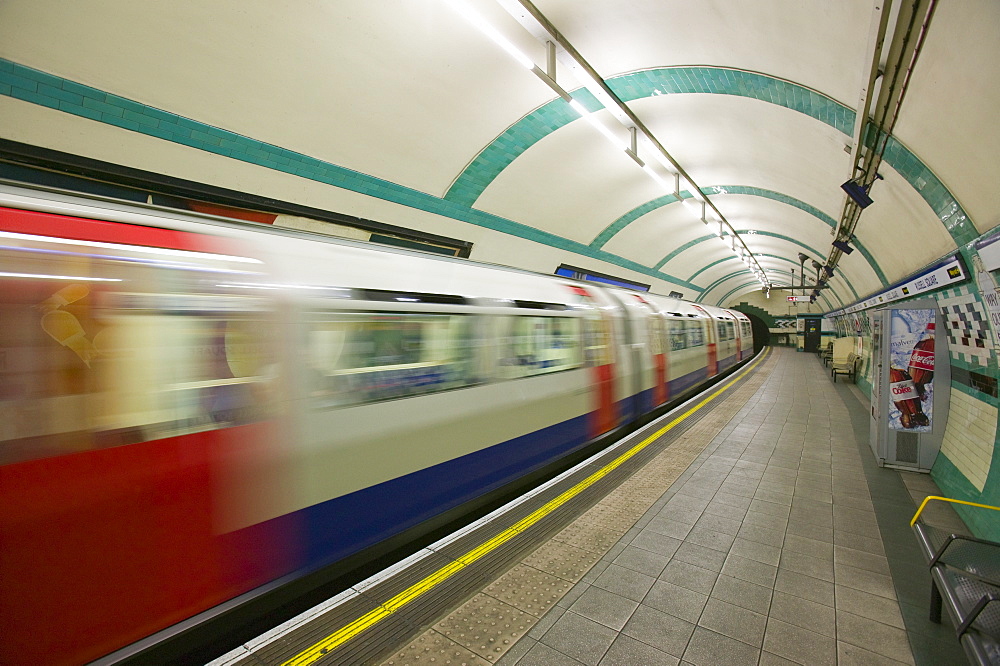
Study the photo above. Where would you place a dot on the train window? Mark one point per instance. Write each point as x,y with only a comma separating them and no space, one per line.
95,353
539,345
695,334
730,331
654,333
359,357
677,334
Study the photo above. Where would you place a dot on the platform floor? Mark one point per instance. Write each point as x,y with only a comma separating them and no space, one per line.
765,534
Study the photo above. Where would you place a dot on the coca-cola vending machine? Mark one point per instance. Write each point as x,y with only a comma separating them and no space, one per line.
911,379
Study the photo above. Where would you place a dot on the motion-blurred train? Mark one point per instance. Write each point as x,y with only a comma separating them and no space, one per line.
193,411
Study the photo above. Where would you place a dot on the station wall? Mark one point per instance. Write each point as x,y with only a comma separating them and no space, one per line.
968,465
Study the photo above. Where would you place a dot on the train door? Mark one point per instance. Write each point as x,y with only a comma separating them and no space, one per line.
711,342
599,357
738,332
655,353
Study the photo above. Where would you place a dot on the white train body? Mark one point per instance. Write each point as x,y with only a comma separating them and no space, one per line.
190,410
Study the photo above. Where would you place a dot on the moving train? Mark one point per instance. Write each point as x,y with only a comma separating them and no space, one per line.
193,411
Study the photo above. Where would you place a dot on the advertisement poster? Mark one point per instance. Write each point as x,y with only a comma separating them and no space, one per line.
911,370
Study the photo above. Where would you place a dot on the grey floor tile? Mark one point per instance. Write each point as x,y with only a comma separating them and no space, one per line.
858,542
690,576
660,630
772,508
625,582
812,547
768,659
735,501
852,655
511,656
683,501
656,543
644,561
804,613
866,581
710,538
742,593
627,651
814,589
861,559
807,565
764,535
811,531
866,529
605,607
757,551
749,570
871,606
579,637
668,527
680,514
726,525
546,622
572,595
765,520
733,621
874,636
799,645
698,555
676,600
543,655
774,496
708,648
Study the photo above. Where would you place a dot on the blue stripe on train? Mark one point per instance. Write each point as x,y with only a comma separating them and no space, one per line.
340,527
345,525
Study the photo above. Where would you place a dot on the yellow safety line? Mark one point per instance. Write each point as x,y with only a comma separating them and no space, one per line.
948,499
369,619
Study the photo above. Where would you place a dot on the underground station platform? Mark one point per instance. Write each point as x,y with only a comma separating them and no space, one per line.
750,525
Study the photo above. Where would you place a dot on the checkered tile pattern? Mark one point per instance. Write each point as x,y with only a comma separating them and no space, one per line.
967,326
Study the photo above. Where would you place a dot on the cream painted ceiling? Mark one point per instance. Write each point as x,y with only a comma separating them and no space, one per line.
426,122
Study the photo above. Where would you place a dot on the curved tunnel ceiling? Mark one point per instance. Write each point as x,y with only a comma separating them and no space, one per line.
408,113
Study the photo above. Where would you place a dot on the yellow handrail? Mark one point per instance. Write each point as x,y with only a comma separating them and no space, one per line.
946,499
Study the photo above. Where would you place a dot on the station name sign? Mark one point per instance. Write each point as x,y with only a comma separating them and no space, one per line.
798,299
947,272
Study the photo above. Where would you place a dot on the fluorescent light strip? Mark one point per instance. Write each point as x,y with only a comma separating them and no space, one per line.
473,17
37,276
142,249
589,117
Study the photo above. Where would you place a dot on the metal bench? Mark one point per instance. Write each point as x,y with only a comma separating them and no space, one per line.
849,367
965,575
828,355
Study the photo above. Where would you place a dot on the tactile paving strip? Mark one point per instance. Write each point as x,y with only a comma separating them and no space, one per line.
529,589
486,626
433,648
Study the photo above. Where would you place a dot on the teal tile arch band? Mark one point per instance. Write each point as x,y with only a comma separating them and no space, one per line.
779,258
37,87
702,239
772,235
520,136
715,190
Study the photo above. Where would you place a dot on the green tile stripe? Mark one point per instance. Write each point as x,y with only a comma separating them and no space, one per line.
47,90
493,159
761,254
760,313
984,523
715,190
803,206
750,284
516,139
612,229
771,234
753,282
